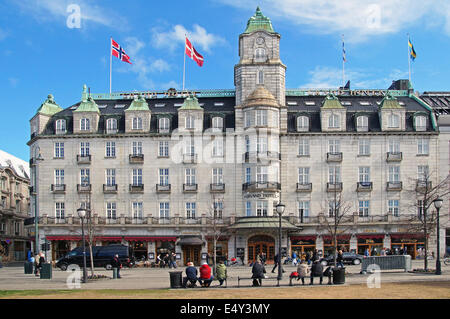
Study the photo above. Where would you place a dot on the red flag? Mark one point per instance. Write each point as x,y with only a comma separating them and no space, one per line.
192,53
118,52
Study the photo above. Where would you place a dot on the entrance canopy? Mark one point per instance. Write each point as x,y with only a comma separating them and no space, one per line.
192,241
256,222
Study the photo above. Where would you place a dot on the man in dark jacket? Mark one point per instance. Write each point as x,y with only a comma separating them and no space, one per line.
115,263
340,259
191,275
258,272
277,262
316,271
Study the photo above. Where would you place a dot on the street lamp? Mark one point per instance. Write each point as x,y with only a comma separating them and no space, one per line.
36,212
438,204
82,213
280,210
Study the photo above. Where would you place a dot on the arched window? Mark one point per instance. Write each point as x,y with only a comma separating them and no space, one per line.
333,121
420,123
85,124
217,122
60,126
302,123
137,123
362,123
111,125
260,55
164,124
394,121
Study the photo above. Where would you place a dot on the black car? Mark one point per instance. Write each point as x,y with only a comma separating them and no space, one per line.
348,258
102,256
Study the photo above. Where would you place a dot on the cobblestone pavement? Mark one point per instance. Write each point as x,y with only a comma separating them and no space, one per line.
13,277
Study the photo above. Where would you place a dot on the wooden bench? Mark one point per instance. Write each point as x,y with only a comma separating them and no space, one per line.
262,279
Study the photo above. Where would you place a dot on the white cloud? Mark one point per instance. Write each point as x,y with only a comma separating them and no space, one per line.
357,19
199,38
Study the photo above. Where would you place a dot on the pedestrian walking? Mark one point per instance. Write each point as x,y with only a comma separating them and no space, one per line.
263,258
340,259
315,256
277,262
366,253
191,276
172,260
115,263
294,259
308,257
205,275
258,272
303,271
221,272
316,271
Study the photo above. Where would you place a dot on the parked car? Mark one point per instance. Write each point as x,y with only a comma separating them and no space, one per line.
102,257
348,258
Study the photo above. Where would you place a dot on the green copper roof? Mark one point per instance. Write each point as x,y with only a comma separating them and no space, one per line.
390,102
259,22
191,103
331,102
87,103
139,104
49,107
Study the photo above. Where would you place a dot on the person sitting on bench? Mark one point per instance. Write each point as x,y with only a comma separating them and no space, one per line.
221,272
258,272
205,275
316,271
191,273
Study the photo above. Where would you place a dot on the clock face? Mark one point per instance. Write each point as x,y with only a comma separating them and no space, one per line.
260,40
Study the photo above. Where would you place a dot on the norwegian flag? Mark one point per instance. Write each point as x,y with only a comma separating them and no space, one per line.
192,53
118,52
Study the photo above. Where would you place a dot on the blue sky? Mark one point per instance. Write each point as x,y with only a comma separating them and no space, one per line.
41,54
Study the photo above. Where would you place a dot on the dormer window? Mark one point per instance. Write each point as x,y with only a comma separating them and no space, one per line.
362,123
217,122
85,124
137,123
111,126
302,123
60,126
393,121
260,55
190,122
261,118
333,121
164,124
420,123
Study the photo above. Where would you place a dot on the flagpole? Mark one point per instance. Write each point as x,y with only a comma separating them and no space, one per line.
110,65
184,61
343,64
409,61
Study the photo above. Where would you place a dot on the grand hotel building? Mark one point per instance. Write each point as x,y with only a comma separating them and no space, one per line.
161,171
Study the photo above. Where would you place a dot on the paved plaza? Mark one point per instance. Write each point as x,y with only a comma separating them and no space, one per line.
13,278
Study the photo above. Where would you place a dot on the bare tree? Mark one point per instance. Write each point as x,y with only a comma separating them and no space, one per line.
215,219
424,193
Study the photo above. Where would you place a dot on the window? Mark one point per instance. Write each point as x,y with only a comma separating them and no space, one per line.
394,146
111,210
248,118
420,209
190,122
333,121
393,121
362,123
190,176
421,123
60,126
303,148
190,210
333,207
136,123
164,124
137,148
137,176
137,210
85,124
275,118
163,150
164,176
261,208
302,123
189,146
110,176
84,148
393,207
364,174
248,208
217,175
59,150
164,209
363,208
423,146
260,79
110,149
261,117
303,209
261,145
218,209
423,173
261,174
59,210
217,147
217,122
248,174
334,146
247,144
84,176
303,175
334,174
59,177
364,147
394,174
111,125
260,55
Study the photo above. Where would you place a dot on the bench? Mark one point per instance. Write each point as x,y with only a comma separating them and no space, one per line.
215,279
262,279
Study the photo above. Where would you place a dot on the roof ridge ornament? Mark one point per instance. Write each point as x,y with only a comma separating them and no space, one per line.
259,22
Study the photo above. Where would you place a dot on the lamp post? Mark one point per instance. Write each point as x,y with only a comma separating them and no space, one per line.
36,211
280,210
438,204
82,213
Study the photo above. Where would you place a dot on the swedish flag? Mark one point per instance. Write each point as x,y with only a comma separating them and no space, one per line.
412,53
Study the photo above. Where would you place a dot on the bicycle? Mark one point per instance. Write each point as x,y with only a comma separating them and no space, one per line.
446,261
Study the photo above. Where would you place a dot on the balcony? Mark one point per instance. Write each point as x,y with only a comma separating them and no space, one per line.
190,188
259,186
423,186
163,188
136,158
138,188
394,156
110,189
217,188
163,130
190,158
334,157
254,157
112,131
84,159
84,188
304,187
364,187
59,188
334,187
394,186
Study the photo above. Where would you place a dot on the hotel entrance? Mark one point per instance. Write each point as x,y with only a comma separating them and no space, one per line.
259,244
